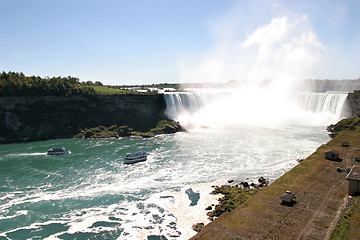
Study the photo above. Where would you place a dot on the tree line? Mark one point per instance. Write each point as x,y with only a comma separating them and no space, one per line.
17,84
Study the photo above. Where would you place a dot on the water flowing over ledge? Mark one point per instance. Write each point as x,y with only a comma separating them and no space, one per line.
199,109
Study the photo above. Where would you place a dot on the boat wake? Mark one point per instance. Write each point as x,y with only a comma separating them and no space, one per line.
27,154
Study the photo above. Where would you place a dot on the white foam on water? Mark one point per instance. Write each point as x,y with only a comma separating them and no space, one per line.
82,222
17,213
178,203
34,226
150,198
27,154
167,213
144,219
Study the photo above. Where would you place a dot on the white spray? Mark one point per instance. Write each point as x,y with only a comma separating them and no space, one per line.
269,61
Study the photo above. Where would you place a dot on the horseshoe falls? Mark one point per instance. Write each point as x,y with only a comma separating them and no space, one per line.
91,194
233,108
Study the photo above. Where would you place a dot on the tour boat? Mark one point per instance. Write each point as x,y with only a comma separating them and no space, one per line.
137,157
58,151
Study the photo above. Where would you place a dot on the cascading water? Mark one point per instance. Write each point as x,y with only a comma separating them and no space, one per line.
194,109
187,102
331,102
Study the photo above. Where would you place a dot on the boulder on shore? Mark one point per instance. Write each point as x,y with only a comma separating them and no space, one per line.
198,226
245,184
211,214
263,182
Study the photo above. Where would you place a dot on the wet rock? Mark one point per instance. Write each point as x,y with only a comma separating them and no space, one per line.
198,226
210,214
193,196
261,180
219,209
208,208
245,184
331,128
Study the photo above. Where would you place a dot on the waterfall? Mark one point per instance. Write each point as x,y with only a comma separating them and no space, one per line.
187,102
233,107
331,102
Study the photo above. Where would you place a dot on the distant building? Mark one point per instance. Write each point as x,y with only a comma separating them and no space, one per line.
332,155
354,180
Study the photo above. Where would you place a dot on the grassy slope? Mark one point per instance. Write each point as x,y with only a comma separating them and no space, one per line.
107,91
348,227
104,90
320,192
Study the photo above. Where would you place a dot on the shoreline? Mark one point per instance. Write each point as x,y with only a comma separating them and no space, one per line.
231,196
320,191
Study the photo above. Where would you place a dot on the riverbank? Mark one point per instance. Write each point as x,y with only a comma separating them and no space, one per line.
321,195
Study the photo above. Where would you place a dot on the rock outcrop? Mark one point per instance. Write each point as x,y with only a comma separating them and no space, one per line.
353,103
198,226
40,118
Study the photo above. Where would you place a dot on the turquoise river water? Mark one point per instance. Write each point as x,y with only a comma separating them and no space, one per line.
91,194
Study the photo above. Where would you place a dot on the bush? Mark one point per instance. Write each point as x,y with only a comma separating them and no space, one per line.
233,197
89,134
347,123
124,131
112,128
163,126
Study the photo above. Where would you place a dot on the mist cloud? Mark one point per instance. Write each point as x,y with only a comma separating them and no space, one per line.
283,49
279,52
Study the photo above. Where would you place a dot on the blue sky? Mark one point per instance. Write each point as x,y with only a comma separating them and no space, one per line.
143,42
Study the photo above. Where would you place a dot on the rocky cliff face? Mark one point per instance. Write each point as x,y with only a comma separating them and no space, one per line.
40,118
353,102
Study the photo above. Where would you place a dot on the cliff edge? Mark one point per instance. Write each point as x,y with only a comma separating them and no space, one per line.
33,118
353,103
